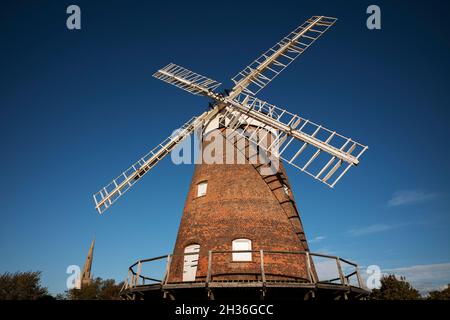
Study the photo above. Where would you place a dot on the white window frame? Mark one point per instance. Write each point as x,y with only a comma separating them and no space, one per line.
202,187
286,190
241,244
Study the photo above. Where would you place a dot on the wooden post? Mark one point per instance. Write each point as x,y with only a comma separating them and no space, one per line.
358,276
133,280
341,274
127,282
263,275
308,267
166,276
139,269
208,276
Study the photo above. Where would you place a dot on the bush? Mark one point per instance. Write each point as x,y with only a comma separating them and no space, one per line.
98,289
22,286
395,289
440,295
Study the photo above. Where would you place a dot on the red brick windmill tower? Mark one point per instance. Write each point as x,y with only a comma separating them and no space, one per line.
240,224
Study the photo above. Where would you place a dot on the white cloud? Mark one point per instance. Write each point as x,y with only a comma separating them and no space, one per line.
425,278
375,228
317,239
406,197
326,268
325,250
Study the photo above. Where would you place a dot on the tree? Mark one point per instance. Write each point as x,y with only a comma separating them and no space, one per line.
440,295
22,286
395,289
98,289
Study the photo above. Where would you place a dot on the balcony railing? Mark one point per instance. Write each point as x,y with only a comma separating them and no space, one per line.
329,270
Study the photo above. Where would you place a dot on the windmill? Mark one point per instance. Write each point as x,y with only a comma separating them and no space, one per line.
240,225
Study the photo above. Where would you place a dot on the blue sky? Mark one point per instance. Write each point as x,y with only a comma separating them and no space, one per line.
78,107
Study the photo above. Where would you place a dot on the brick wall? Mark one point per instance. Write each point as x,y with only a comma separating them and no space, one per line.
241,203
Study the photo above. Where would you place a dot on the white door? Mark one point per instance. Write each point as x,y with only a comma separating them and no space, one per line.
190,262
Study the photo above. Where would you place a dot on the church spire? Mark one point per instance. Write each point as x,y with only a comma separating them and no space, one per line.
86,275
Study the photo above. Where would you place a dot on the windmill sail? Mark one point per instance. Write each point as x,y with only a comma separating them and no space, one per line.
270,64
106,196
185,79
322,153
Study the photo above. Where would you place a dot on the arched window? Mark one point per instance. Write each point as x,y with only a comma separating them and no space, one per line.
190,262
242,244
201,188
